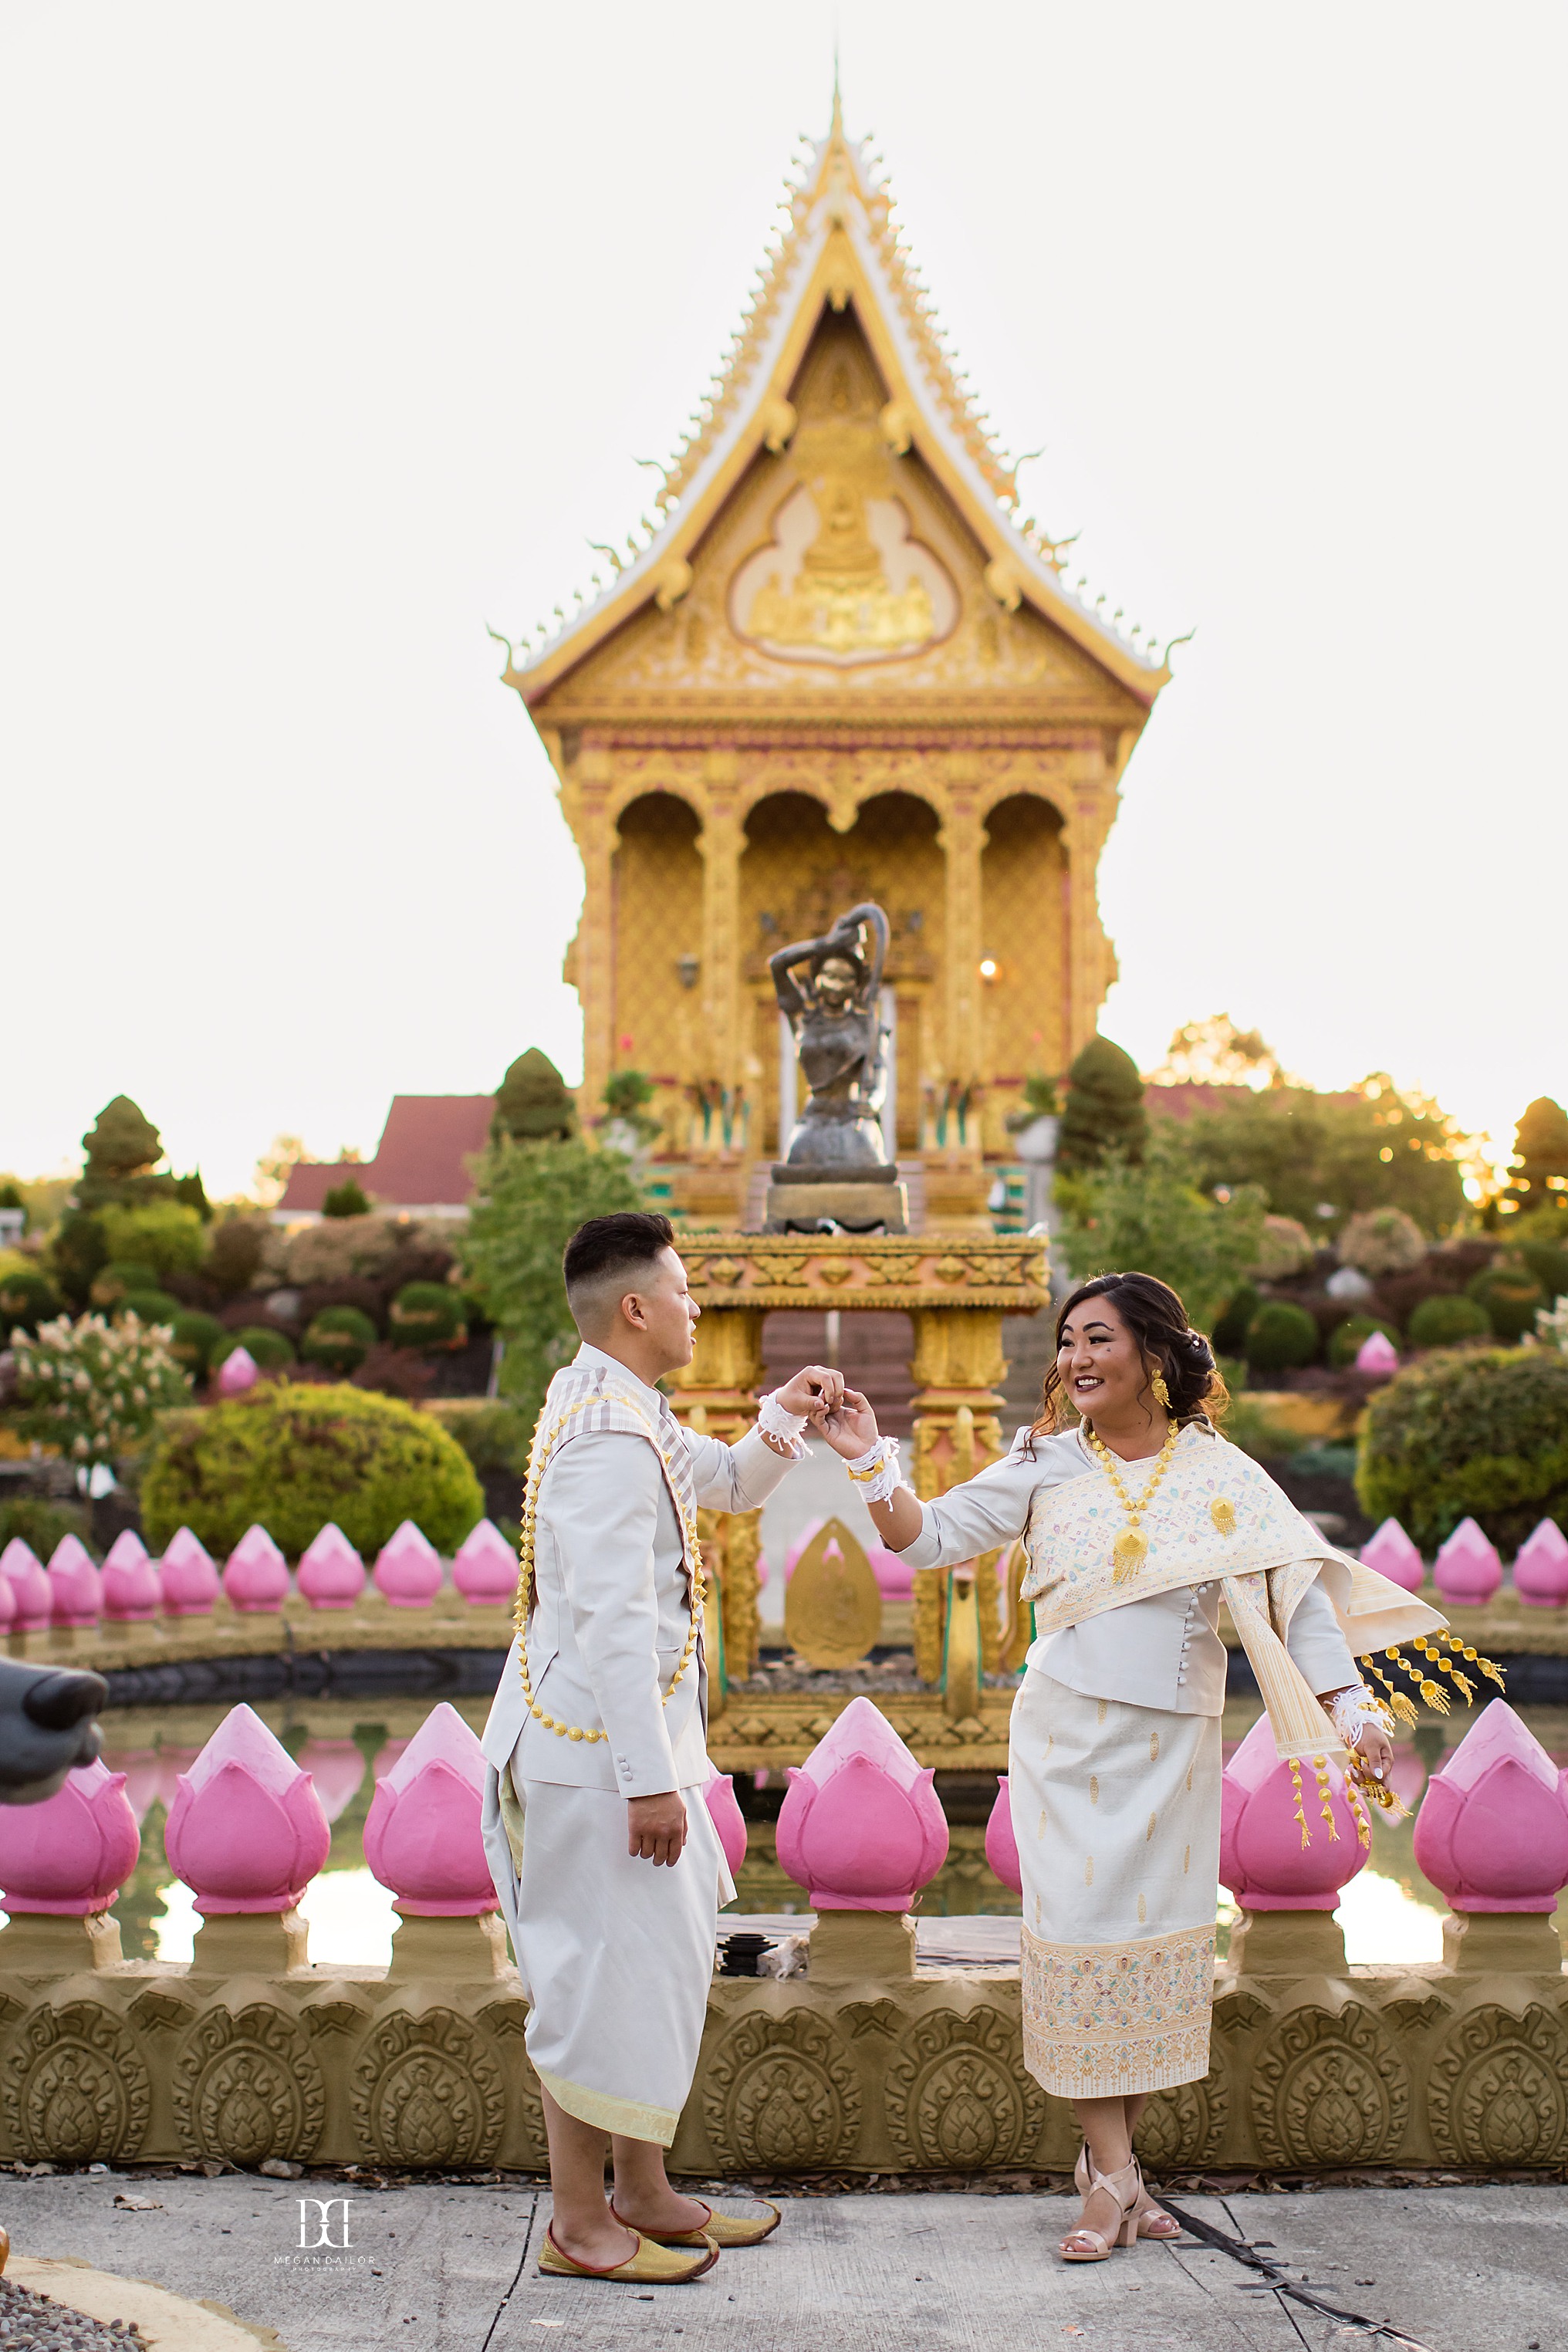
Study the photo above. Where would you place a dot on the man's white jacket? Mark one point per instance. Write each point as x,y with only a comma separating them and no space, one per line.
611,1614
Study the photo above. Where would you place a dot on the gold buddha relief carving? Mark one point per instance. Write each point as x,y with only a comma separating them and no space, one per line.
843,578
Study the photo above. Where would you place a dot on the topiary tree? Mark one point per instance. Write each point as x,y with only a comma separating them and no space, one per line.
1103,1115
1479,1434
122,1141
346,1200
1538,1170
531,1199
291,1457
1382,1241
340,1338
534,1103
1510,1295
1280,1337
427,1315
1444,1321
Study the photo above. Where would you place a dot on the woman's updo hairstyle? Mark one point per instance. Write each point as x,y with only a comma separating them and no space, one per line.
1158,1321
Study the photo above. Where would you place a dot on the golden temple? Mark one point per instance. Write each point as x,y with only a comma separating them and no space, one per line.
842,669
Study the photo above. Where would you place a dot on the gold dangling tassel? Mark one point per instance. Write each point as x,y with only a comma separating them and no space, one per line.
1326,1794
1299,1809
1404,1710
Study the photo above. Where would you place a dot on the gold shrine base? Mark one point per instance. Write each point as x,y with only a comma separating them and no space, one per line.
866,2064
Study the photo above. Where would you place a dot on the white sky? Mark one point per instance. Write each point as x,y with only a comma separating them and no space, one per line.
333,332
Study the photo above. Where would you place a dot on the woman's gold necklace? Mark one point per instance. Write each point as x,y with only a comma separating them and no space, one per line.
1131,1549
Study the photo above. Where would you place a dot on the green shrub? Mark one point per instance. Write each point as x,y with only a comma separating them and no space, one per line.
268,1349
426,1315
149,1305
1103,1114
291,1457
1346,1338
1229,1333
195,1338
77,1250
1443,1322
346,1200
1549,1265
163,1234
493,1434
1281,1334
235,1253
42,1525
26,1301
1480,1433
1154,1217
117,1280
340,1338
1510,1294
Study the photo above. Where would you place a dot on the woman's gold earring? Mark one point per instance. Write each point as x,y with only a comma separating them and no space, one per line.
1161,1393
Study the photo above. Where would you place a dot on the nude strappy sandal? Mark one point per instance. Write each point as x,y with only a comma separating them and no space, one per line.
1152,2223
1125,2186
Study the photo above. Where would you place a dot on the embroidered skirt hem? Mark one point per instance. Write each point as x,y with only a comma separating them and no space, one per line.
1103,2021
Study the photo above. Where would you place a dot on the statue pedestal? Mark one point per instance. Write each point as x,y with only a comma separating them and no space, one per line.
858,1208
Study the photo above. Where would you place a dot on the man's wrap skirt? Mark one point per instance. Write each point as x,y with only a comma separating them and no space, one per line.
1116,1812
616,1955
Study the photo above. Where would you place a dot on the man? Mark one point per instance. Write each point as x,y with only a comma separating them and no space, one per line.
607,1866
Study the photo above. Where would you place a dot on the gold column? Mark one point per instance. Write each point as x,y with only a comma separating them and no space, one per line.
717,1394
961,839
959,1364
1091,962
719,844
587,808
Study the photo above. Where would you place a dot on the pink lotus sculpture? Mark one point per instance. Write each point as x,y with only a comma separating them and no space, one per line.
237,1372
143,1770
484,1567
256,1575
337,1769
1377,1356
132,1591
70,1855
25,1574
1001,1840
1261,1857
7,1605
861,1828
332,1573
246,1832
724,1808
189,1576
75,1591
422,1838
1492,1832
1541,1567
408,1569
1393,1554
1468,1570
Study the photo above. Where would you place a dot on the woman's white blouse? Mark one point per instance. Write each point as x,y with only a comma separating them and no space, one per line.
1163,1651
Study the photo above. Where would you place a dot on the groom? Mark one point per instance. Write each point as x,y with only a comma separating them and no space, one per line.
606,1863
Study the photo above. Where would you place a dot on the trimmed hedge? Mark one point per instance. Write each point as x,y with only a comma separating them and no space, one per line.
1346,1338
293,1456
269,1350
340,1338
1510,1294
1444,1321
147,1306
1281,1334
427,1315
26,1301
1481,1435
195,1336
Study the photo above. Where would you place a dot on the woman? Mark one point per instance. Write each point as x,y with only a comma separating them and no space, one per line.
1134,1512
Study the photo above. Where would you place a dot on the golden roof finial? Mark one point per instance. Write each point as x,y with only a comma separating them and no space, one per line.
835,129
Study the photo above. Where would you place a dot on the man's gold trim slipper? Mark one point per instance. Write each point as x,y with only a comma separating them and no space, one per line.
653,2265
725,2229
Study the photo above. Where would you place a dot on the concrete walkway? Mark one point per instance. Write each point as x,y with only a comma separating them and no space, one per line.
451,2269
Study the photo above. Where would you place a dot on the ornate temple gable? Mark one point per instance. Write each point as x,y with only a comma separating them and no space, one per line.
840,525
839,579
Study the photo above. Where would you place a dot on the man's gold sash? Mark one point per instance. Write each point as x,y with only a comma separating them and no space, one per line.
1217,1517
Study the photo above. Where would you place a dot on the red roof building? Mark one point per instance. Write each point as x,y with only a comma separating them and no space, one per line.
420,1168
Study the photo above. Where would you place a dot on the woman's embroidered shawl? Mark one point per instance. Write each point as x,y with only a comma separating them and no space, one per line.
1216,1517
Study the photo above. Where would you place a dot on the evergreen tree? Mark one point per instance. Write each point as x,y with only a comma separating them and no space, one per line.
533,1102
1103,1114
121,1142
1540,1169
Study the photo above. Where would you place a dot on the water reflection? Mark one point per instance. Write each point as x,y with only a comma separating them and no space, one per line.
1391,1916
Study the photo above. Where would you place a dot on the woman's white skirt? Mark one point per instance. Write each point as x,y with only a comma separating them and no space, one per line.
616,1957
1116,1812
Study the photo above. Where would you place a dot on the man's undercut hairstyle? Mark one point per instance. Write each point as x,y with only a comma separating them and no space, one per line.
608,1256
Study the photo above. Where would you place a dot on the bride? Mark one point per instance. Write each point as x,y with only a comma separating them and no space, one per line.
1135,1513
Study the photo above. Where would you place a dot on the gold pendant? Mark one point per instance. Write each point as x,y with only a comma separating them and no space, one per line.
1223,1513
1129,1551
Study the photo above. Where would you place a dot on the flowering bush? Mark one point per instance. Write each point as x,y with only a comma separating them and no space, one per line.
1382,1241
1286,1249
93,1389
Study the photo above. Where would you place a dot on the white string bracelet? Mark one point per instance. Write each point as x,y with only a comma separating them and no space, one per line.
774,1421
1355,1711
877,1472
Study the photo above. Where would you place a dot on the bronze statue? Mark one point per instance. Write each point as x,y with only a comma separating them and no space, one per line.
834,1015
